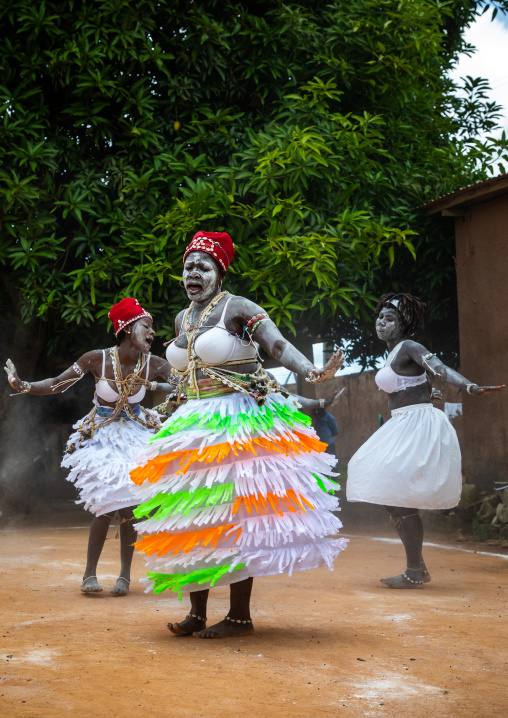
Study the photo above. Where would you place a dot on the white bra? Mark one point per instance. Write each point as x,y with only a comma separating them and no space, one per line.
216,346
389,381
105,392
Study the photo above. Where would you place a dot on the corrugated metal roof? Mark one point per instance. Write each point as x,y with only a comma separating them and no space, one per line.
479,191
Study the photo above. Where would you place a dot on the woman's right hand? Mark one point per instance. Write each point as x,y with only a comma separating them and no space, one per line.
317,376
480,390
12,376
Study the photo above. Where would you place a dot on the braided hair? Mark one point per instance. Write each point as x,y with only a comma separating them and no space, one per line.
409,308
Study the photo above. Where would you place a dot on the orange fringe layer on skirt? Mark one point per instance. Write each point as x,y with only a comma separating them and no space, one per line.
290,502
163,543
154,469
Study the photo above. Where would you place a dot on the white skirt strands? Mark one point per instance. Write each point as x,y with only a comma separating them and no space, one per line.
100,466
230,490
412,461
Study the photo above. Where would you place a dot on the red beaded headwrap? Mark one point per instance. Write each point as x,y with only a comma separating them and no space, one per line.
217,244
125,312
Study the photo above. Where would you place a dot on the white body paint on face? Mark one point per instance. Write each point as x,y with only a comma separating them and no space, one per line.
201,277
142,334
388,325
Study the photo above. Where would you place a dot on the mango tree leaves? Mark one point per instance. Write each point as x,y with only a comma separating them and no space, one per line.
311,132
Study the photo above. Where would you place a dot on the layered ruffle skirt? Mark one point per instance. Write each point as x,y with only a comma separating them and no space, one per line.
100,466
412,461
230,490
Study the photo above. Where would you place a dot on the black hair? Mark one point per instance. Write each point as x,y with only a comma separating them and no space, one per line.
409,308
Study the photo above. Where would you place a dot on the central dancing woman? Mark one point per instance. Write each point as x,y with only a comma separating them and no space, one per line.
236,484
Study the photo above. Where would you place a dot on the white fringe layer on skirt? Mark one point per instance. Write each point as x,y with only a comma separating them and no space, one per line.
261,541
100,467
258,561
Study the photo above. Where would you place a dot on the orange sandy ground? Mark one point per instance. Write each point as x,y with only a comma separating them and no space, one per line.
326,644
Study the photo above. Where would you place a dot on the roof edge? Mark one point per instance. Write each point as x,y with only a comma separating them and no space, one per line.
478,192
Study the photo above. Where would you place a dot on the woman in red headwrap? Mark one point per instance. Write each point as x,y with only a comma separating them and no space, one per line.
102,450
236,483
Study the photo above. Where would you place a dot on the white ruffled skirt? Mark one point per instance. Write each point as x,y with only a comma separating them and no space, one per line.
229,490
412,461
100,466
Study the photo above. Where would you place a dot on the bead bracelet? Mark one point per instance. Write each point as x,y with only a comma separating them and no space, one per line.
254,323
78,370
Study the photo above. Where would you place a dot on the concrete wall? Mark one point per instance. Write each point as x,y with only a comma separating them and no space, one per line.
482,280
356,412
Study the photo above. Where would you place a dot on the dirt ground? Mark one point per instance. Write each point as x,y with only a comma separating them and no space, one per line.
326,644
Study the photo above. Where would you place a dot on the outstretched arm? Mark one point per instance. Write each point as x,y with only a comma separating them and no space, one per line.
160,369
318,403
56,385
435,366
270,338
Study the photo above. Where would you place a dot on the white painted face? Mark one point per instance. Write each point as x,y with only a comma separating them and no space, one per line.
142,334
201,277
388,324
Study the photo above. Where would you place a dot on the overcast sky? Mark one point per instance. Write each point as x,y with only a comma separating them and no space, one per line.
490,59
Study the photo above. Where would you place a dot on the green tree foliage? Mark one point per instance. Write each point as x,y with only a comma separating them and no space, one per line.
310,131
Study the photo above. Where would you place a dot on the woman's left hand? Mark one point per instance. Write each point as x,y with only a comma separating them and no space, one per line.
334,398
329,370
12,376
480,390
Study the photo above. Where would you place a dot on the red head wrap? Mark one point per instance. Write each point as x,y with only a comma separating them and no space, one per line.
125,312
218,245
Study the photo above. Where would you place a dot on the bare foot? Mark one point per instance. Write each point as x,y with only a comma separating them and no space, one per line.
187,627
91,585
226,629
425,575
411,578
121,587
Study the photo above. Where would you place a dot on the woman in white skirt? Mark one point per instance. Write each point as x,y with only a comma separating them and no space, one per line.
413,461
102,450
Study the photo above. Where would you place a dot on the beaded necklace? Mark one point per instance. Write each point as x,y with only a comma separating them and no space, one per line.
190,315
256,385
192,334
192,327
124,388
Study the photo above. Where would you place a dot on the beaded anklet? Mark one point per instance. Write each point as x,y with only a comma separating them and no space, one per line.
236,620
194,615
410,579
